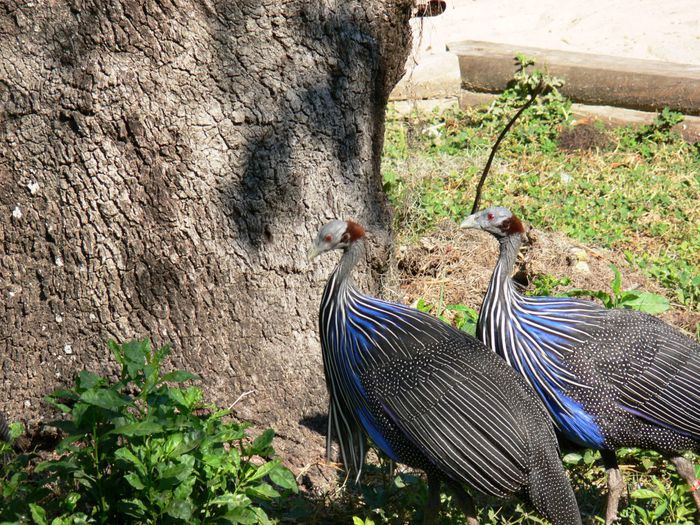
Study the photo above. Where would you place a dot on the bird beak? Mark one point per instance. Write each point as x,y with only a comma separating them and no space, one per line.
312,253
470,222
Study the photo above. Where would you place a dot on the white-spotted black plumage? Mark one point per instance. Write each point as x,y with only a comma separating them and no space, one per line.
4,429
609,378
432,397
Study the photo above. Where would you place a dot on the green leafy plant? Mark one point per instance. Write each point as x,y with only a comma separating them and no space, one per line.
545,284
538,126
145,449
648,302
649,140
459,315
612,197
659,503
680,278
661,129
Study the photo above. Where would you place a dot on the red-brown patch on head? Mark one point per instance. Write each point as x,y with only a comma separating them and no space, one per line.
512,225
355,231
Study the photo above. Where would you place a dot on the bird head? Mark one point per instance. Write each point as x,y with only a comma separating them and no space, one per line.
336,235
499,222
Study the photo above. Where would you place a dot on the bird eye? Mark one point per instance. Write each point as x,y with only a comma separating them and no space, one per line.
489,216
328,238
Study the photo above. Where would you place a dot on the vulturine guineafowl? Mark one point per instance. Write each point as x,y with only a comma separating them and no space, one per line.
4,436
431,397
609,378
4,429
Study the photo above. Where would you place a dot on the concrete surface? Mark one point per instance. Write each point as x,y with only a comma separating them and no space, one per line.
666,30
633,83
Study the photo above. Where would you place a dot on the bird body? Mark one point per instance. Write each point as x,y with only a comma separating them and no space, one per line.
431,397
610,378
4,429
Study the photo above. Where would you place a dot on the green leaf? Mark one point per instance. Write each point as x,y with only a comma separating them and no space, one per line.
65,464
263,470
242,515
135,481
16,430
187,397
263,491
261,516
231,500
151,375
589,456
262,445
142,428
605,298
617,281
184,490
178,444
228,434
180,509
71,501
284,478
62,393
87,380
135,355
660,509
138,507
460,308
104,398
116,351
127,455
648,302
163,352
178,397
644,494
38,514
572,458
178,376
178,471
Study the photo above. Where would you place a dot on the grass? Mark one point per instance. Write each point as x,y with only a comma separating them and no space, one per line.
637,193
633,190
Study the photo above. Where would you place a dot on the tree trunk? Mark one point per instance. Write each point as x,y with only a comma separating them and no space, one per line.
163,168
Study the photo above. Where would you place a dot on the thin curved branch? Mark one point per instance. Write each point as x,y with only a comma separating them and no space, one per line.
535,92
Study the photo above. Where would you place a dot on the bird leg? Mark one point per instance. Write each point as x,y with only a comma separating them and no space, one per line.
687,472
465,502
432,506
616,485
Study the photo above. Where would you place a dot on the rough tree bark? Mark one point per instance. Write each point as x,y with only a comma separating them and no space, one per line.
163,167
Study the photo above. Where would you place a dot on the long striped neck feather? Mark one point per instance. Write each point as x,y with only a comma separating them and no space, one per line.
509,248
343,272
